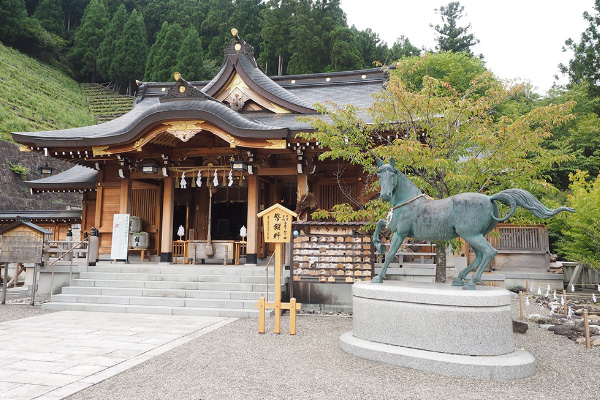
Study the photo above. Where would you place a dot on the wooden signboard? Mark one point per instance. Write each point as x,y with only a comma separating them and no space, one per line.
120,237
277,222
22,245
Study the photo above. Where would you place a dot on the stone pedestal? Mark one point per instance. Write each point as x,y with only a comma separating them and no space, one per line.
437,328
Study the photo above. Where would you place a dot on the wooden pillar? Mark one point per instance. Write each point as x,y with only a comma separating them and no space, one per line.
125,196
252,222
168,207
303,190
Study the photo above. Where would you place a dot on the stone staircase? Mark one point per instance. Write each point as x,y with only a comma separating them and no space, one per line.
167,289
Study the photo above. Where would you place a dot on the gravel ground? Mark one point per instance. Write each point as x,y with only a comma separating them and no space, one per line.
9,312
235,362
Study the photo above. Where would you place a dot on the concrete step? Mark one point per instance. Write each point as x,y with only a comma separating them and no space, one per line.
184,277
154,301
215,286
177,293
178,268
163,310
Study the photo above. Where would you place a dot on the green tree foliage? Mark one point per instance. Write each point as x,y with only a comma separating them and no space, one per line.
131,50
89,36
581,136
50,15
580,232
73,12
401,48
345,50
373,49
107,66
162,60
190,60
13,15
585,64
450,36
275,34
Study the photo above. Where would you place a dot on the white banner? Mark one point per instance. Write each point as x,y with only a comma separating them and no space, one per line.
120,237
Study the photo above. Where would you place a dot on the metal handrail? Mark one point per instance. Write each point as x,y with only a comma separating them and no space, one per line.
70,268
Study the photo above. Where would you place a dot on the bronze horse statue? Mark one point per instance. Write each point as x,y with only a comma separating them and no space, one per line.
468,215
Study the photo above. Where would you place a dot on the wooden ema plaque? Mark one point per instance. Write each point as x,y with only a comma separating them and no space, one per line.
277,222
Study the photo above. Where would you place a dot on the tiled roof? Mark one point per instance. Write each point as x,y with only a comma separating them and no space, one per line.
77,177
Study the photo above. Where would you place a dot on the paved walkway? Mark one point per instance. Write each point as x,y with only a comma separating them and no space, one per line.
54,355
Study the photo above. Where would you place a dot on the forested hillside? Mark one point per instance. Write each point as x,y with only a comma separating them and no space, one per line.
121,41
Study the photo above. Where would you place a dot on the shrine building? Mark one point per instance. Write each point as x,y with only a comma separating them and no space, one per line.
227,145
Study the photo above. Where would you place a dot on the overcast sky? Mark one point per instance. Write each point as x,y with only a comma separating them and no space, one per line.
518,38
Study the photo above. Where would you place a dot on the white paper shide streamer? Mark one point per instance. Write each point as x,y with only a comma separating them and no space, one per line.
230,178
216,180
199,178
183,183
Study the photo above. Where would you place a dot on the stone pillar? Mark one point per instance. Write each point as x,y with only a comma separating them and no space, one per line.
252,222
168,207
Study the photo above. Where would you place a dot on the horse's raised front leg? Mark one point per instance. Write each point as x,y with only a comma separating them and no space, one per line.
460,279
380,247
397,240
488,253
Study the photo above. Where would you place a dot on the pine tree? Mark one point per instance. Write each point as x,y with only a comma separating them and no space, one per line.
585,64
190,61
106,52
167,61
155,54
131,50
50,15
451,37
88,39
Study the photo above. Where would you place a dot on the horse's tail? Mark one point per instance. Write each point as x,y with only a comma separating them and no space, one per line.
520,197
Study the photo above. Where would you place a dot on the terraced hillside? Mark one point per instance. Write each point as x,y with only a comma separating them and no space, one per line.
35,96
104,103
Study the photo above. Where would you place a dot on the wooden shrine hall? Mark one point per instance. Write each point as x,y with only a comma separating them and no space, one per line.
208,156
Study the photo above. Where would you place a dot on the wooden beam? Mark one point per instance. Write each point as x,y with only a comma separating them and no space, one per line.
273,171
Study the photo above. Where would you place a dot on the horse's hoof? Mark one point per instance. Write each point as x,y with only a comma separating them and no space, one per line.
377,279
458,282
469,286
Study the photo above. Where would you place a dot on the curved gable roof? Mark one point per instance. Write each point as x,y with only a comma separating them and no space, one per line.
239,58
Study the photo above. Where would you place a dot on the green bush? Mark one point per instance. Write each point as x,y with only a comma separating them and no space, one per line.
19,169
579,238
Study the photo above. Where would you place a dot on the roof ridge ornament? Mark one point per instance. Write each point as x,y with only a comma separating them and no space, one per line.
183,90
239,46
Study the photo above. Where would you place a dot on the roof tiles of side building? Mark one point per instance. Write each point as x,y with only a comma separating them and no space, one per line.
40,214
76,177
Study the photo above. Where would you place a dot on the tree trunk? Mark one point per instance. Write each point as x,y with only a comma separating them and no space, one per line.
280,70
440,262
